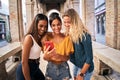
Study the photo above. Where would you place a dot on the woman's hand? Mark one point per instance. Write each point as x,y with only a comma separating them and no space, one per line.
47,51
48,54
53,56
79,77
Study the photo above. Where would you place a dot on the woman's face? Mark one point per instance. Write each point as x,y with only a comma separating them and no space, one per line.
67,22
56,26
42,26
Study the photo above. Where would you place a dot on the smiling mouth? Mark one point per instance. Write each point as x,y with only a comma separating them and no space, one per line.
41,32
57,31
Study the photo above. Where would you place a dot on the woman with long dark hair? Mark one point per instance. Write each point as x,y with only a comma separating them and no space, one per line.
28,69
57,67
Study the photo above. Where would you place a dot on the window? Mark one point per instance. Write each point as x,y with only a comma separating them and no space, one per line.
2,30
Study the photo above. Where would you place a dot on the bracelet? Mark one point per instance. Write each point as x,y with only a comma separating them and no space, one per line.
81,74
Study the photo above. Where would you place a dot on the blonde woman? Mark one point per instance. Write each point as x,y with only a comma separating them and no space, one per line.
82,58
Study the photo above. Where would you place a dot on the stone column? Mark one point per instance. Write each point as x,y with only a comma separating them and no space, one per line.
113,23
68,4
20,19
44,8
118,24
88,16
16,21
35,7
29,12
62,8
76,6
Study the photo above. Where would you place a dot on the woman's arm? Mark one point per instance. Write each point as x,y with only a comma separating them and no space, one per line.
47,54
87,44
25,56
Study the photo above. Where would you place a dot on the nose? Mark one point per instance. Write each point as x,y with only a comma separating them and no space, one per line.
66,25
56,27
43,28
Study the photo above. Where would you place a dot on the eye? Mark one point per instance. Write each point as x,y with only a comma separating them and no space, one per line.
58,24
53,25
39,26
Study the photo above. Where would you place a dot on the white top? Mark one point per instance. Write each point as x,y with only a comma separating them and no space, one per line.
35,50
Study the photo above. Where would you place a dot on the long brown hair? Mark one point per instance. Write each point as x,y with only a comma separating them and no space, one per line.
33,30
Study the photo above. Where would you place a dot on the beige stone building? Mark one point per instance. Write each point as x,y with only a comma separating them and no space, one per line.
85,8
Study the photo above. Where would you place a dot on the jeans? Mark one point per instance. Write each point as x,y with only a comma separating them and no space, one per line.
35,72
76,71
58,72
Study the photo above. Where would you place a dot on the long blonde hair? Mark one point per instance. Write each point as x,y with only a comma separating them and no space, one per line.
77,28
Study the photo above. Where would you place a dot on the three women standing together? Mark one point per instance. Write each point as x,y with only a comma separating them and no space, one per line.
75,45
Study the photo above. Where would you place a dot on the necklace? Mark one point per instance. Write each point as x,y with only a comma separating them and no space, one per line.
39,36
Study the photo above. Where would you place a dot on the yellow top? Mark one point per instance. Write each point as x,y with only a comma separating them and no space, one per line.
65,47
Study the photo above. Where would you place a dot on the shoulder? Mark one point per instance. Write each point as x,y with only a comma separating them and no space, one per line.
28,39
86,38
68,39
49,36
49,33
67,36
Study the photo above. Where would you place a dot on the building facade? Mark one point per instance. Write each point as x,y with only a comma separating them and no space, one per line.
100,16
100,26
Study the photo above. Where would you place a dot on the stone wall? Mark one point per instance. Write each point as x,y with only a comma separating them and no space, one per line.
118,25
14,20
16,25
113,23
29,13
88,16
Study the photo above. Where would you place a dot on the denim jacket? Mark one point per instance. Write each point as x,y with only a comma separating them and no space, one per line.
83,53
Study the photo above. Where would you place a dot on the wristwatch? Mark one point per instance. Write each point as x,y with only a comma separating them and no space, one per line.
82,75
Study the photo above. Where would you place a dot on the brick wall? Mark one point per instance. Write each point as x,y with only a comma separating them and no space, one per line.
88,16
113,23
14,20
118,25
